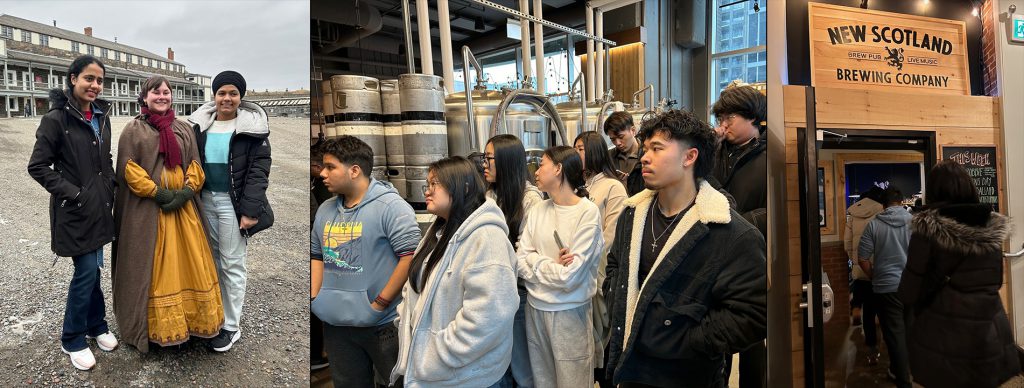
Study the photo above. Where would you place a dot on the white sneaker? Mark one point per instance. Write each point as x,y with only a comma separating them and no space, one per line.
106,341
82,359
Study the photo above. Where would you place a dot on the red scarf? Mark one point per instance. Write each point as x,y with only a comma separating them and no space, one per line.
168,143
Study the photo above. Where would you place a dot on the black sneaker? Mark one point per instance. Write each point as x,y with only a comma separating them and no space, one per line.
223,341
318,363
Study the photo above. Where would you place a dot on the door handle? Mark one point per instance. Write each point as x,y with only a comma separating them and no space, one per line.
827,305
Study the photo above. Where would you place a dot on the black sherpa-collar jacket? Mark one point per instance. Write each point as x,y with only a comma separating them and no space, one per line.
76,167
704,299
958,333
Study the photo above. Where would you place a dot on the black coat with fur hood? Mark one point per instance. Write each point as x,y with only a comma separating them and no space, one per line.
958,333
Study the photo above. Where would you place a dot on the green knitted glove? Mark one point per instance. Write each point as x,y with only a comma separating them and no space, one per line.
163,196
181,197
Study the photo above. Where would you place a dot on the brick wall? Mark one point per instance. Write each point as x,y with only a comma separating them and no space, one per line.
988,48
833,262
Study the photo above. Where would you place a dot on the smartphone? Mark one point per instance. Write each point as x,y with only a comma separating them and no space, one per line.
558,242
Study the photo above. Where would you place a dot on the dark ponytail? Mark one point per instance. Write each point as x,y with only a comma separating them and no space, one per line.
572,168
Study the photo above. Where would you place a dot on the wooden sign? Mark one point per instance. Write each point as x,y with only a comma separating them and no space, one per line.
980,162
865,49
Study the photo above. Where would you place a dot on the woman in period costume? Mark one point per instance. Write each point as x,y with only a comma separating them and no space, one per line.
165,282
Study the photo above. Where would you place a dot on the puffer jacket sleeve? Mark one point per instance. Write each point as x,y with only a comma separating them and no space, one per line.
45,153
739,316
254,194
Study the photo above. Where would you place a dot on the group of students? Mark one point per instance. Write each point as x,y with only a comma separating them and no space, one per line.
178,207
932,279
506,288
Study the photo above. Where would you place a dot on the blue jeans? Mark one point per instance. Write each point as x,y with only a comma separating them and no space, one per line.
519,372
85,310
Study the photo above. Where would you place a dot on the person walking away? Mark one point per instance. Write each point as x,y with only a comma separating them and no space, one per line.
886,239
958,332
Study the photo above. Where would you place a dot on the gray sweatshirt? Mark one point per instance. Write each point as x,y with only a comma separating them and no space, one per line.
360,248
457,331
887,238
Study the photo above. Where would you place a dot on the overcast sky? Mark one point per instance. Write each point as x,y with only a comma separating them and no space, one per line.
266,41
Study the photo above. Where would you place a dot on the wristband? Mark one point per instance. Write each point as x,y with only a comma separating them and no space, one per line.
381,301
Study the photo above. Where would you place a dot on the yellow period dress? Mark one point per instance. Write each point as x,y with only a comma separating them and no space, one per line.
184,296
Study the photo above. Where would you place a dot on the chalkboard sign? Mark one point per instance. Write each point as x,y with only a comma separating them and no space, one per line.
980,162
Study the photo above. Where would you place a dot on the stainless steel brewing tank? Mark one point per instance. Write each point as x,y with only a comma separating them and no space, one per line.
570,114
424,132
357,112
521,120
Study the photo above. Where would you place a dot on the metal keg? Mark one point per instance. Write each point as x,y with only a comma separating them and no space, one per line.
392,118
396,174
357,113
327,106
424,132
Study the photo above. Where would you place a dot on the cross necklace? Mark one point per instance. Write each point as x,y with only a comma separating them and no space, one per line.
654,245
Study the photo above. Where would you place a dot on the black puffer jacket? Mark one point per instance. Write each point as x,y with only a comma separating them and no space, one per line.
741,172
248,159
705,299
77,169
958,333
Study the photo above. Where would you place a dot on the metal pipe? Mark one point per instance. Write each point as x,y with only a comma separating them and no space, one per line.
447,65
512,12
524,41
423,24
608,5
583,100
636,101
538,44
467,60
538,101
600,114
590,52
599,62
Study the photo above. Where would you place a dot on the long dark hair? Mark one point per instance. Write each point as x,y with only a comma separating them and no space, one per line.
510,181
572,168
80,64
459,178
596,159
949,184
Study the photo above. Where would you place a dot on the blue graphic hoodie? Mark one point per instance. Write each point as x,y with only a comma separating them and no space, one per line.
360,248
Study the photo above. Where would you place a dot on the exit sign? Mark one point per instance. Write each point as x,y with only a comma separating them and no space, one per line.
1018,28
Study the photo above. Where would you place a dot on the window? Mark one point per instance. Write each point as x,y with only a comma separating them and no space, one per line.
124,88
117,56
138,59
44,40
738,45
90,49
127,57
6,32
26,36
149,62
75,47
103,53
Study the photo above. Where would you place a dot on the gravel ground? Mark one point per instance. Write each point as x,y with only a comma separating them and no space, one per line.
273,350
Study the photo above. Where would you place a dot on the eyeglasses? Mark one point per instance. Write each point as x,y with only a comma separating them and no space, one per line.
429,187
720,121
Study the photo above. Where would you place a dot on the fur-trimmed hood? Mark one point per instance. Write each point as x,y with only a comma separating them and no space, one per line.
252,118
963,228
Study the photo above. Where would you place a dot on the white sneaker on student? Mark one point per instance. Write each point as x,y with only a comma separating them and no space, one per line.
82,359
106,341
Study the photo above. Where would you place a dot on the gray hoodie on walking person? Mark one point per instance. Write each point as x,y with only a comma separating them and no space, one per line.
457,331
886,238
